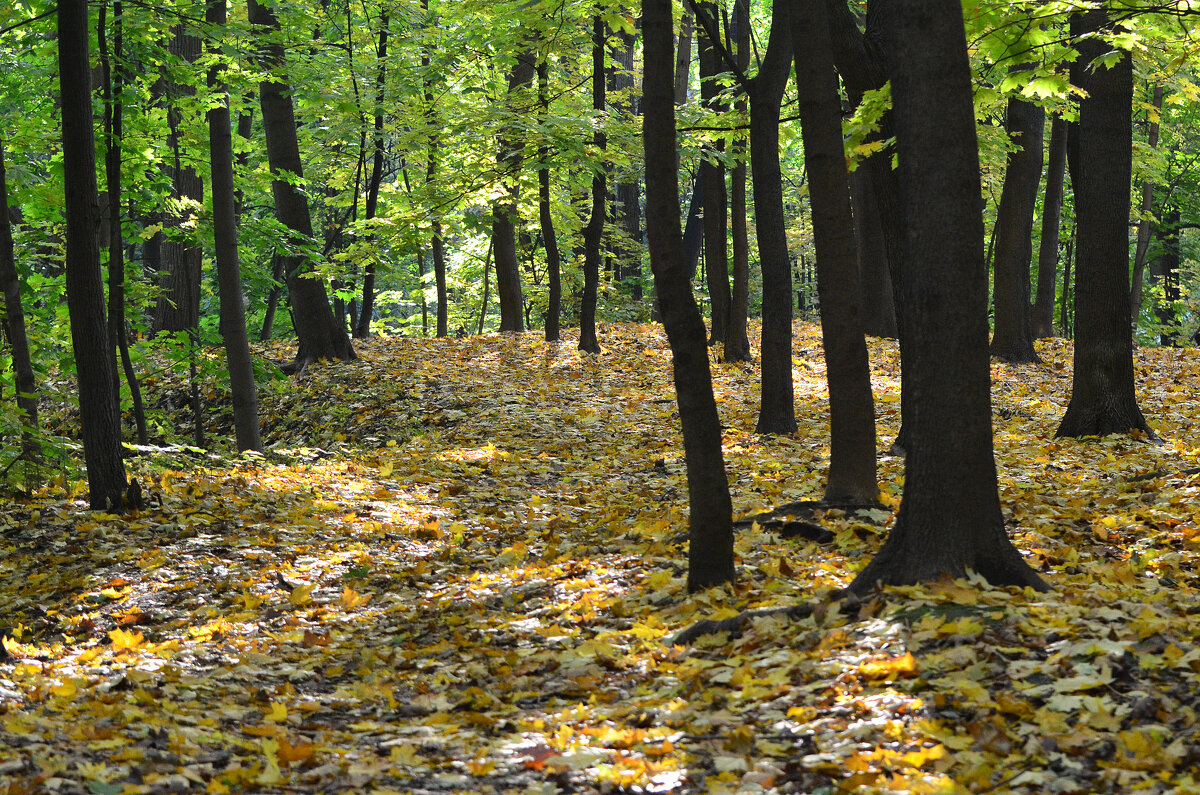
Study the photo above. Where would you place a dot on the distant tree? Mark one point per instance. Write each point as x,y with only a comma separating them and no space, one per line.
1142,250
716,204
99,411
1052,204
546,217
362,324
593,232
14,329
950,518
710,520
737,341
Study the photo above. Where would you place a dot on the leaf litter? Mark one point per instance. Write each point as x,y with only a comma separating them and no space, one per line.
460,566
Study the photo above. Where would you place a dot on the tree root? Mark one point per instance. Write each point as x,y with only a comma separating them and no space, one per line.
736,624
791,520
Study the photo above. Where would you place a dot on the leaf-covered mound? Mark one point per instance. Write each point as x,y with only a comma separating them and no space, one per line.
482,598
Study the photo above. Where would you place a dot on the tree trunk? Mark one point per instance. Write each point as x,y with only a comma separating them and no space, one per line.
321,335
950,518
1102,387
852,476
14,330
1165,270
878,303
716,217
99,412
504,209
546,218
777,410
1043,305
362,328
683,56
593,233
737,342
710,520
238,361
1143,234
1012,339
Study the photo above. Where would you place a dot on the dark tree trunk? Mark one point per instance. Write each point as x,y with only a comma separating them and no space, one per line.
546,218
950,518
14,330
504,209
1143,234
178,305
777,410
229,276
321,335
851,404
693,229
1012,339
362,328
710,520
1102,387
628,206
716,209
118,332
99,412
593,233
737,342
878,308
1165,270
1043,305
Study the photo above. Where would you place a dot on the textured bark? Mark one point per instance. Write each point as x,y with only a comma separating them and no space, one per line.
950,519
1143,234
238,361
716,204
628,208
546,218
737,341
683,56
710,520
100,422
504,210
321,335
1043,305
14,329
1102,387
1012,338
878,308
362,325
1165,270
852,476
593,233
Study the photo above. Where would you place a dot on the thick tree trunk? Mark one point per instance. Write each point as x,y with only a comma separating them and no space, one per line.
321,335
1012,339
950,519
852,476
1143,234
546,218
1102,388
14,330
716,209
1043,305
878,309
99,413
777,410
238,361
710,521
504,210
593,233
362,325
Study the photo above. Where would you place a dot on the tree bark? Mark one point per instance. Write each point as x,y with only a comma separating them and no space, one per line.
593,233
14,330
737,341
99,411
238,361
362,328
852,476
1102,387
1012,338
321,335
950,519
716,209
546,218
878,303
1043,305
710,520
683,56
504,210
1143,234
1165,270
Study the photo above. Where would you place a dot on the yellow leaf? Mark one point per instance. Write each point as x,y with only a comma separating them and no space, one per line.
122,639
404,754
386,469
276,714
352,598
270,774
67,689
302,595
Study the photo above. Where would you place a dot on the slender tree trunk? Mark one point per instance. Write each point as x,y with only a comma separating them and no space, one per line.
1103,399
1065,317
710,526
1143,234
878,303
593,233
229,277
14,330
683,56
737,342
504,209
546,217
362,329
321,335
1012,340
1043,306
99,411
852,476
1165,270
716,205
487,266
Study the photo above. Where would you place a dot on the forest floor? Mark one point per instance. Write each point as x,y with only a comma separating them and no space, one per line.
460,566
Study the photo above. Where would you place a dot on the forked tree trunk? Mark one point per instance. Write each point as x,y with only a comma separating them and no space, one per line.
99,415
852,476
321,335
1043,305
950,519
1012,340
1103,400
710,519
